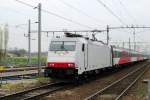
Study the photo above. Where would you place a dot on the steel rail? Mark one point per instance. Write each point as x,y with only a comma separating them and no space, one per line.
25,95
125,90
20,69
95,95
35,97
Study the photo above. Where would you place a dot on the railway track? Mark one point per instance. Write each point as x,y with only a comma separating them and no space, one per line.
119,88
21,69
35,93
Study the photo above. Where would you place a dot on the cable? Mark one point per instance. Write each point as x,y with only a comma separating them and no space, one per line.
78,10
13,11
142,31
127,11
25,3
65,18
18,25
117,17
54,14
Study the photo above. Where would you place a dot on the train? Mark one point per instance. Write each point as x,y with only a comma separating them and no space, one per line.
74,56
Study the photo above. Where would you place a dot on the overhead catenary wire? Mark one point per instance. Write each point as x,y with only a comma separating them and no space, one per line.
56,15
127,11
18,25
70,20
142,31
13,11
79,10
108,9
139,37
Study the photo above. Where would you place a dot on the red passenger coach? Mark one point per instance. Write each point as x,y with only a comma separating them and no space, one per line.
125,56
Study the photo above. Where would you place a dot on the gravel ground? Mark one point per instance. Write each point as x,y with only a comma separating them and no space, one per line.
20,85
139,90
82,91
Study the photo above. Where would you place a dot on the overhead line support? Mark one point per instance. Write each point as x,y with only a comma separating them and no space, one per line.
39,39
29,42
107,34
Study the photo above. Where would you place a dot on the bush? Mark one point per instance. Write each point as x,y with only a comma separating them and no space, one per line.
24,60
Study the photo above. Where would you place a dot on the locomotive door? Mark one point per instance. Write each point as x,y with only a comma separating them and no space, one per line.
85,51
86,56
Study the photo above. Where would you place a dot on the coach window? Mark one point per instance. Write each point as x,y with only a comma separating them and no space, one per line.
114,54
131,54
118,54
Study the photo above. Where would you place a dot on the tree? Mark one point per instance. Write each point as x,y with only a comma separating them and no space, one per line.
3,42
6,37
18,52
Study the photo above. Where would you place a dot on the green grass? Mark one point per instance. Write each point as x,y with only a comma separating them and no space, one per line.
24,84
13,87
43,79
141,90
24,60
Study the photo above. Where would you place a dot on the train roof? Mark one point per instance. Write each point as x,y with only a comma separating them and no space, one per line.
77,37
126,49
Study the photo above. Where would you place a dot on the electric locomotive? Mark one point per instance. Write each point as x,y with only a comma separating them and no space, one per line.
73,56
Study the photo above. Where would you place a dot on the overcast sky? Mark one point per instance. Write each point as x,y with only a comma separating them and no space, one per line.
90,13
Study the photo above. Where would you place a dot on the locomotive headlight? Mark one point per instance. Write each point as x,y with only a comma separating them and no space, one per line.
51,65
70,65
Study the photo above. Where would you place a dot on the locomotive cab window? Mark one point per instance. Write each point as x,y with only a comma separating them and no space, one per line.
62,46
